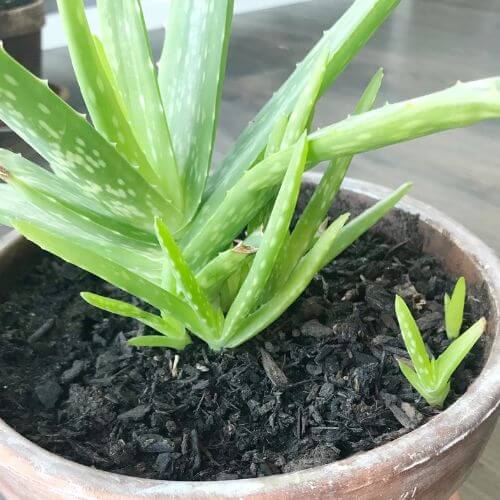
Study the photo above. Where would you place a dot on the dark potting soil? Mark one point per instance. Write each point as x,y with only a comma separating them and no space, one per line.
319,385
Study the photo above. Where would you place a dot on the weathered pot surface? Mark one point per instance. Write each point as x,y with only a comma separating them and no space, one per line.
430,462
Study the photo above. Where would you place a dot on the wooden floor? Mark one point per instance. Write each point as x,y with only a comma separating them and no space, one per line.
426,45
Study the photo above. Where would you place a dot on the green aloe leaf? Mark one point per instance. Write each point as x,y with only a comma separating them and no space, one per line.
75,150
460,105
323,196
302,112
46,183
126,44
240,205
414,342
11,204
176,339
343,41
86,258
454,354
276,136
454,309
309,265
138,255
273,146
191,75
186,282
227,263
367,219
156,341
274,237
98,87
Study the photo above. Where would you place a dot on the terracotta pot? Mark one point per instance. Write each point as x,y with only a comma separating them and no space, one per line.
430,462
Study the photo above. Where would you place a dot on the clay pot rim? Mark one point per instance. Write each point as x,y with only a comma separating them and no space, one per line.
412,450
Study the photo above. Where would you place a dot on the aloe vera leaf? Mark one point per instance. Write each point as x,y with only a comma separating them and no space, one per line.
434,395
227,263
460,105
413,342
98,89
230,288
302,111
241,204
65,192
156,341
75,150
309,265
272,147
276,136
11,204
274,237
412,377
342,41
323,196
454,354
360,224
191,76
138,255
454,309
86,258
186,281
177,339
126,43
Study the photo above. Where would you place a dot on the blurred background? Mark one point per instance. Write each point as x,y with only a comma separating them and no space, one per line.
425,46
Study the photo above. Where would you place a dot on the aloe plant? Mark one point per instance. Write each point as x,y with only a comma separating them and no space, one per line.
130,197
431,377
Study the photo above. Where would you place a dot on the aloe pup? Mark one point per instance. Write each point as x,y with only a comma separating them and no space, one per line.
130,197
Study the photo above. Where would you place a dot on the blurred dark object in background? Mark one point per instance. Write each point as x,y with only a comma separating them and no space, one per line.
21,22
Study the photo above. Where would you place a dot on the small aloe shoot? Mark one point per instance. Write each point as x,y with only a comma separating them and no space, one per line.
454,309
431,377
131,195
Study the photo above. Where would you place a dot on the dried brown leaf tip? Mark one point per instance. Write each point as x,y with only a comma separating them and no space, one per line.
246,249
4,174
273,371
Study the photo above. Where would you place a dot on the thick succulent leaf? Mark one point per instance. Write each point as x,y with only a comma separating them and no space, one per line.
156,341
310,264
75,150
45,182
240,205
324,194
273,146
342,41
274,237
126,44
191,75
12,204
414,342
140,256
360,224
177,339
454,354
412,376
97,87
86,258
186,282
460,105
227,263
302,112
454,309
276,136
